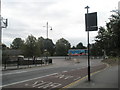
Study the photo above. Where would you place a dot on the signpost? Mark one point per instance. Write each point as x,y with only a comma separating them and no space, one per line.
91,25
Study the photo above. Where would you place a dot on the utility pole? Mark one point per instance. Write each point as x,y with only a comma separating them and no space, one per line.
47,26
3,24
47,30
87,7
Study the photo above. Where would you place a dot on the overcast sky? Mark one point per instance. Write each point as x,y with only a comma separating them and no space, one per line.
67,18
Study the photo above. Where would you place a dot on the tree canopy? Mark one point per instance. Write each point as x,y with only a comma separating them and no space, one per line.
80,46
17,43
62,47
30,46
108,38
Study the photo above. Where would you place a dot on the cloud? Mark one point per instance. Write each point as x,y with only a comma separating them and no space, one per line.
65,16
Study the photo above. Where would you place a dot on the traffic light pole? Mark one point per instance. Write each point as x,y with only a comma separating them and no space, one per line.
88,46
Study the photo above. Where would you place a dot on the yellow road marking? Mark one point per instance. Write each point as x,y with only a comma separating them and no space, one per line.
73,83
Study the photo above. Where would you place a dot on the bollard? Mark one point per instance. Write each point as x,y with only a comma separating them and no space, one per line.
5,64
18,62
50,61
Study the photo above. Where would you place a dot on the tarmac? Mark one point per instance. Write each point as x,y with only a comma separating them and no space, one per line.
107,78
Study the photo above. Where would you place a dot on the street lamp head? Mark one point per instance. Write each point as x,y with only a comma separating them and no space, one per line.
51,28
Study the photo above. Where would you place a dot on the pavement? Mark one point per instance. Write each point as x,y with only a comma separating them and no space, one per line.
107,78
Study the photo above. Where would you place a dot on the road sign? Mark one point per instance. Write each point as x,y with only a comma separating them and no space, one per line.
91,21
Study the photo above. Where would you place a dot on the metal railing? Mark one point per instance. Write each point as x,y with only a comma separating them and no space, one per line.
17,63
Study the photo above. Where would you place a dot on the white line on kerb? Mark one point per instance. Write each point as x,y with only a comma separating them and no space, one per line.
28,80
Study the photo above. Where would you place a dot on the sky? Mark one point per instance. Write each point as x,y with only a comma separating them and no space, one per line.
66,17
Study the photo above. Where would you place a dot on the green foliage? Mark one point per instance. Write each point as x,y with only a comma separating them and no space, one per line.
95,50
30,46
5,56
62,47
80,46
36,47
4,47
108,38
49,46
40,44
17,43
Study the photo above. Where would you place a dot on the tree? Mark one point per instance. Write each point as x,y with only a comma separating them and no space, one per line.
49,46
108,39
30,47
40,44
95,50
62,47
80,46
5,55
4,47
73,47
17,43
114,28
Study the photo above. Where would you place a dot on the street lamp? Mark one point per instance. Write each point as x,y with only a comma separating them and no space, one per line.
47,29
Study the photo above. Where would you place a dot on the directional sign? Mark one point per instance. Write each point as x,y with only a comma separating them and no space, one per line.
91,21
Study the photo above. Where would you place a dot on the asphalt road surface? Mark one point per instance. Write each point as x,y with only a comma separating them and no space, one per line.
61,73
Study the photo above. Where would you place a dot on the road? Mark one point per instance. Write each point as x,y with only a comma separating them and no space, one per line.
59,74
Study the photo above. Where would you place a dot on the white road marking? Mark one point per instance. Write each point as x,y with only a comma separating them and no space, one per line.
57,84
64,71
38,84
50,84
22,71
63,76
14,73
60,76
43,84
68,77
35,83
77,78
26,84
46,85
28,80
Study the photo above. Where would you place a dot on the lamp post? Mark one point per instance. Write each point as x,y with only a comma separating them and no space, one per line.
87,7
47,29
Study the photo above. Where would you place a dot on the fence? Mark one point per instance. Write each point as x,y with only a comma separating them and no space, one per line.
25,62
